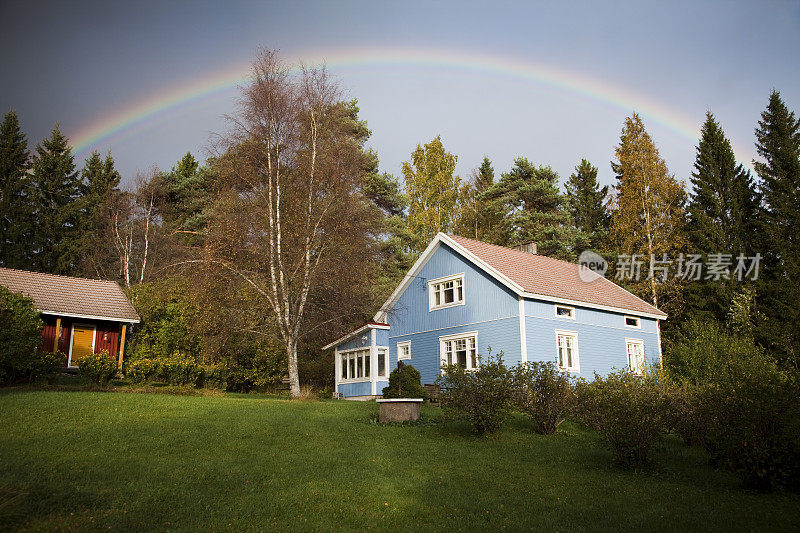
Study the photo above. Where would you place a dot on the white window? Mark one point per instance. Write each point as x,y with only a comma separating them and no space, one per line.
635,349
446,292
383,362
567,351
562,311
633,322
403,350
461,349
355,364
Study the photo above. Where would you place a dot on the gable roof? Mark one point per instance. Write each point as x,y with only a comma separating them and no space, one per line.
72,297
534,276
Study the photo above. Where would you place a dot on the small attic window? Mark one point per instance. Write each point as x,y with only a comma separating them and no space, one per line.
633,322
562,311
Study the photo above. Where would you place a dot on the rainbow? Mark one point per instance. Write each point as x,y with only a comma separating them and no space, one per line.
161,106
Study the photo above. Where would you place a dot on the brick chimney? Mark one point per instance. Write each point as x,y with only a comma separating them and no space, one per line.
529,247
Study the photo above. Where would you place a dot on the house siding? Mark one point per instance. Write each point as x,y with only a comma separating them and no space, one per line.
362,388
107,334
362,340
601,337
491,310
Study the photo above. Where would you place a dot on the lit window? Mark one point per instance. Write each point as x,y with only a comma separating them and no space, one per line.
460,350
635,349
567,351
403,350
632,322
563,311
446,292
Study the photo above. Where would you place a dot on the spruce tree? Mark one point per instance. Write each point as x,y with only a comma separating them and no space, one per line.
723,210
16,209
480,218
535,212
58,190
101,181
778,144
586,201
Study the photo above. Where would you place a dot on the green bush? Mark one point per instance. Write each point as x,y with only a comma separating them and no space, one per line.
47,365
144,370
705,349
20,337
240,378
480,397
544,393
98,367
629,411
215,376
180,370
751,417
685,414
410,381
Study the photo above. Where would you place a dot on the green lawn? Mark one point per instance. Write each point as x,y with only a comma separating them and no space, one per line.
94,460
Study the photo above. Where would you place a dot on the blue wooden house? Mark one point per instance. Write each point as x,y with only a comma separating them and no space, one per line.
464,297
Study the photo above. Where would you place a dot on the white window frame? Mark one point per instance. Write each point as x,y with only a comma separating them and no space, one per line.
72,334
576,361
640,369
438,281
382,352
456,337
344,360
571,315
636,318
400,346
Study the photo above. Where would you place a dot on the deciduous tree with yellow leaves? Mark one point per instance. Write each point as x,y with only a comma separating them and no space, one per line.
647,209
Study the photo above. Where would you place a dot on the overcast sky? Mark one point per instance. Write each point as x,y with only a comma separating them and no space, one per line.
78,62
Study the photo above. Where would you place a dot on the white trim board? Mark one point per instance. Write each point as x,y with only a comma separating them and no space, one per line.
380,316
88,317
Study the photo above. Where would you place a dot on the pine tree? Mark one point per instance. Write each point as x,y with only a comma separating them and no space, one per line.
16,209
647,217
434,192
58,189
184,199
101,181
586,201
535,212
778,144
723,210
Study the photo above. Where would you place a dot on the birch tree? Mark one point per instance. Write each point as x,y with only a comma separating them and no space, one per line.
294,219
647,205
434,191
133,226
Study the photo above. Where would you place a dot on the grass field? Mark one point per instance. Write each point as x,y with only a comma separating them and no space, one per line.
94,460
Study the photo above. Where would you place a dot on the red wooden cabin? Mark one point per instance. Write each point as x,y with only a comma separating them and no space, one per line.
81,316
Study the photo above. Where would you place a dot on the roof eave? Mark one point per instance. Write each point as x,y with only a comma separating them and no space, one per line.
348,336
90,317
569,301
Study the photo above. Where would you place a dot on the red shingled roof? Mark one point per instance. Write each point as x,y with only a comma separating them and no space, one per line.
68,296
546,276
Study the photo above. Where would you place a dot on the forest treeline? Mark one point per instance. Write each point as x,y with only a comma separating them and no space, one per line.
290,234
